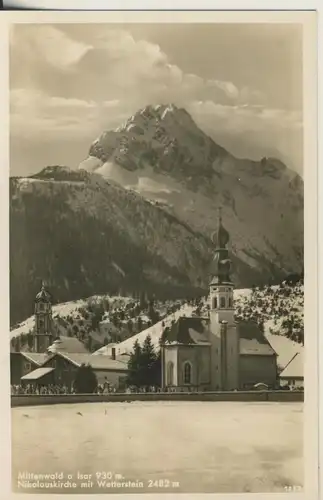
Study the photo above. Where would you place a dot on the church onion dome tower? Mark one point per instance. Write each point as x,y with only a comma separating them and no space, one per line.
221,264
43,296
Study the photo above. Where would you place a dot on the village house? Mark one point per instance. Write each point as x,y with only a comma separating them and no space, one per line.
293,373
61,368
22,363
56,360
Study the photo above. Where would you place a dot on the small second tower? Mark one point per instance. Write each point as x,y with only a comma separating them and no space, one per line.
43,334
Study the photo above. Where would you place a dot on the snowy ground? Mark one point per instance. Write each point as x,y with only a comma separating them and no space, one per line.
188,446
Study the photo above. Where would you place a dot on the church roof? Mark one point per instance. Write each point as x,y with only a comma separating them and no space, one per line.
195,331
188,330
252,340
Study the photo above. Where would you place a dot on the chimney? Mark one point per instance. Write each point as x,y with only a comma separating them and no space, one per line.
113,353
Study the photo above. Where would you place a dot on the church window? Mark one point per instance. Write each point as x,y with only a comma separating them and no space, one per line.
222,302
230,302
41,307
41,323
215,303
170,373
187,372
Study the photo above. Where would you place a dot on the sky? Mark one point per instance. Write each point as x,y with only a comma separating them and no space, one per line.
241,83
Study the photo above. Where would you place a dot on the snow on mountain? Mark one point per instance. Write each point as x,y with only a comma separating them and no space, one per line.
154,331
161,153
63,310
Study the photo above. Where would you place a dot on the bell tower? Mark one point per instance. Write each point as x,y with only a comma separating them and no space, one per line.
224,333
221,286
43,335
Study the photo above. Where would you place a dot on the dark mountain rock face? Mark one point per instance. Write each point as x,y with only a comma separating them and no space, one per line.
87,236
140,211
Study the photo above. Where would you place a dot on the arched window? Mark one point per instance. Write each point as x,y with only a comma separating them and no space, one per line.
187,372
222,302
170,373
215,303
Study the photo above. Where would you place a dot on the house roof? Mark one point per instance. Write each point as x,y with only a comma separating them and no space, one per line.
252,340
106,350
37,358
188,330
68,344
97,362
295,368
37,374
284,347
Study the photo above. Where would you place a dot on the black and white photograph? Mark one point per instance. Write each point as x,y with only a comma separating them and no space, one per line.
157,234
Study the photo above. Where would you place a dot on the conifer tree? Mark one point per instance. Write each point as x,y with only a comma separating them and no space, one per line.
134,377
85,380
148,359
144,366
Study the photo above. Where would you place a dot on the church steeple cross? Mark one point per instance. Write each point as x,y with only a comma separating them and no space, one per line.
220,213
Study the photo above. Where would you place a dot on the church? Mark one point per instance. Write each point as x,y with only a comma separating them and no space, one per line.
215,353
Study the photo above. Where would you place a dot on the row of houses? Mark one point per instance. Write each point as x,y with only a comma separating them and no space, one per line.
59,369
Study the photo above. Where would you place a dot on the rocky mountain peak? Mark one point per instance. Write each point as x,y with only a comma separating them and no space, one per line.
162,115
163,137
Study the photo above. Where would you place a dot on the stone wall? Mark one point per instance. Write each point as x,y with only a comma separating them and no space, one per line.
278,396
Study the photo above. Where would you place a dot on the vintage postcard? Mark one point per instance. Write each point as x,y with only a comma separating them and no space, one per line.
162,253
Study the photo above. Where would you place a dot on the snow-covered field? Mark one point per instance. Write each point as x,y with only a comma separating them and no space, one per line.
205,447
